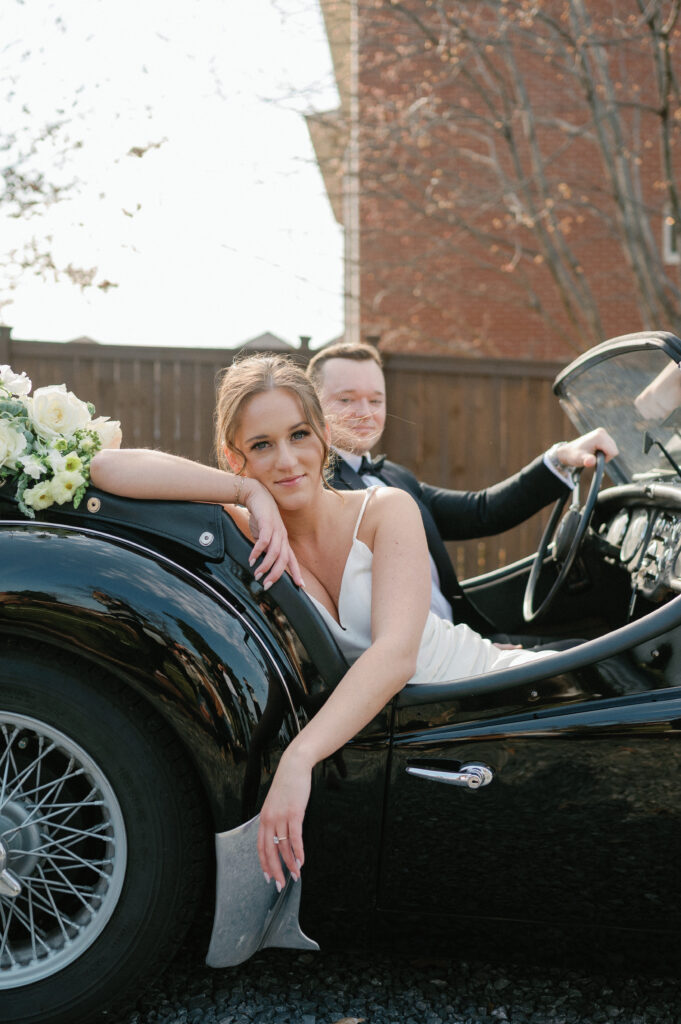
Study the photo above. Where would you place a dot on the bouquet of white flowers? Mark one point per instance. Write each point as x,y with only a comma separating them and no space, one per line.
47,441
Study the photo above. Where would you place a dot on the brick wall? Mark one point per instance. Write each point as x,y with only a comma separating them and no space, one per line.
455,260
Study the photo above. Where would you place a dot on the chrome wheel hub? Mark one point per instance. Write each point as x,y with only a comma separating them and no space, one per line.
9,883
20,835
63,850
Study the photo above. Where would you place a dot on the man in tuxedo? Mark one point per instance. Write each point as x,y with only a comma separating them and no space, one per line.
351,385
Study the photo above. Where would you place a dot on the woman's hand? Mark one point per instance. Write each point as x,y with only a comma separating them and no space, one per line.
271,539
282,817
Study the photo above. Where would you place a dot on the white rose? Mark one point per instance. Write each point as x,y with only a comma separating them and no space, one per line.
15,383
55,411
33,467
39,496
65,485
109,431
12,444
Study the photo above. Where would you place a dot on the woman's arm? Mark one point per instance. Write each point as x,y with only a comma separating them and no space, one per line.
142,473
400,601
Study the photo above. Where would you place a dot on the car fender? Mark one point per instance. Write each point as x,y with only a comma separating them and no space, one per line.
190,649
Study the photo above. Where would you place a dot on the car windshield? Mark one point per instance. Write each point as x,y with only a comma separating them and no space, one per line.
636,395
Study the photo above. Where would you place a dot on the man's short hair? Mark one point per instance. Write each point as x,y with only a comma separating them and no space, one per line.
341,350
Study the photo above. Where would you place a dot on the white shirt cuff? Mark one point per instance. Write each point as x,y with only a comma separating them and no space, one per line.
563,473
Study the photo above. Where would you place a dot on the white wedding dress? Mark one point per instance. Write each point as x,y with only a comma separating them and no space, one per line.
446,652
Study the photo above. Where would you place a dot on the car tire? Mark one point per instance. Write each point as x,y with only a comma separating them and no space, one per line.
103,827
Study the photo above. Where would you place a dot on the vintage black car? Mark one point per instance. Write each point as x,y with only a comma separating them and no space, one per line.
148,686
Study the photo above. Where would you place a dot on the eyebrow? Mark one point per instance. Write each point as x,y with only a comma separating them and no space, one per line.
353,391
263,437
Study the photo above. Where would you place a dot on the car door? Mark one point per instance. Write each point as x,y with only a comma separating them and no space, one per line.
573,813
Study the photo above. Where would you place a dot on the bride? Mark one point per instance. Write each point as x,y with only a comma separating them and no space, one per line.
361,557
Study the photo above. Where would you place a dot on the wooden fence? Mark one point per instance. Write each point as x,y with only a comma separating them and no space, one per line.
468,423
459,423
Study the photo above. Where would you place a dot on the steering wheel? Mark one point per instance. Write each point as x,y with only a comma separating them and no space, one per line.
568,540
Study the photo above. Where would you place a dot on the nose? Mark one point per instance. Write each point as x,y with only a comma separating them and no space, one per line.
286,457
362,407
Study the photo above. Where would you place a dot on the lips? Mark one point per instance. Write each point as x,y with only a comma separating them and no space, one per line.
290,481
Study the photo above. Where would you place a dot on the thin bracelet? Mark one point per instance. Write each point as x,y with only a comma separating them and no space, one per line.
239,490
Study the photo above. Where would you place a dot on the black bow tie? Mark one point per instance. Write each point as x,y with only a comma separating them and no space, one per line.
371,467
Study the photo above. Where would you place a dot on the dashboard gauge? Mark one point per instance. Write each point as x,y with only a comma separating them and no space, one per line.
617,528
633,538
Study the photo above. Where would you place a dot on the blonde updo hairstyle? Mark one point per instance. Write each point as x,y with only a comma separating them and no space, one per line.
254,375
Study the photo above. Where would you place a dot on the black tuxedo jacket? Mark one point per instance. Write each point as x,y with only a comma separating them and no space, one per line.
462,515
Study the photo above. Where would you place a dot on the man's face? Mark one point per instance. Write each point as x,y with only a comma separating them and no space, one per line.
352,393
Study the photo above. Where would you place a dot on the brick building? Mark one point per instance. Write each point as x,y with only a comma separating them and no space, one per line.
506,172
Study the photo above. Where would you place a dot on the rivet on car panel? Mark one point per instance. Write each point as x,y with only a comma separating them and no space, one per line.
206,538
93,504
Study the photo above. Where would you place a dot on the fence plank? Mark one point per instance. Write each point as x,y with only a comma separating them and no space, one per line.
480,421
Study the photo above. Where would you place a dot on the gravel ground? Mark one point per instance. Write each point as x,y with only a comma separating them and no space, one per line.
305,988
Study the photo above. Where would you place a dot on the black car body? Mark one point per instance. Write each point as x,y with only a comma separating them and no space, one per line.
148,685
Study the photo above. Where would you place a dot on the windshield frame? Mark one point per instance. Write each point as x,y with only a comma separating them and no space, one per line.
572,388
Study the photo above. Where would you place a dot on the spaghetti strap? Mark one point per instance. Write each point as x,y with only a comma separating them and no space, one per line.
369,492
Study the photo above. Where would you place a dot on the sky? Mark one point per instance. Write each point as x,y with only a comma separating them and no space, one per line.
221,230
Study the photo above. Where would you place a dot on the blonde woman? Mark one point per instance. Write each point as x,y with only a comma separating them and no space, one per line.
361,557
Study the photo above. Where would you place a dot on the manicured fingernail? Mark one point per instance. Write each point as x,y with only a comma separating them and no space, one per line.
279,886
295,877
257,574
298,864
267,877
267,584
251,561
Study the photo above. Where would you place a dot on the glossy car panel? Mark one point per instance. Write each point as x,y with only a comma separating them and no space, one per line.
192,653
569,828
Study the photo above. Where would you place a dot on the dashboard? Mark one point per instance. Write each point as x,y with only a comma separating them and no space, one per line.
645,540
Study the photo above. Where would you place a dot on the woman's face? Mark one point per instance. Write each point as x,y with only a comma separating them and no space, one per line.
282,451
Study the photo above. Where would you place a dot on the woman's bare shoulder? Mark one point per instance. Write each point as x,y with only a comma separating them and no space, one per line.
394,500
392,509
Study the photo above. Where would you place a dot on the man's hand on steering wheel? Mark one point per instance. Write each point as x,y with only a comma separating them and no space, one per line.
581,453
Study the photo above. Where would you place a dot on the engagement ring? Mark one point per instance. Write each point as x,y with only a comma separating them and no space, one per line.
279,839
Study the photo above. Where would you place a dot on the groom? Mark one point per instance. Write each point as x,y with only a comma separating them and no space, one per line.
351,385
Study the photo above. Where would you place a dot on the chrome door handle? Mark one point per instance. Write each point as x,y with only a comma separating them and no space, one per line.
471,776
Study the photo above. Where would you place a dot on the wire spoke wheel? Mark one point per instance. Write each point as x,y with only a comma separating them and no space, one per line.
63,850
104,840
